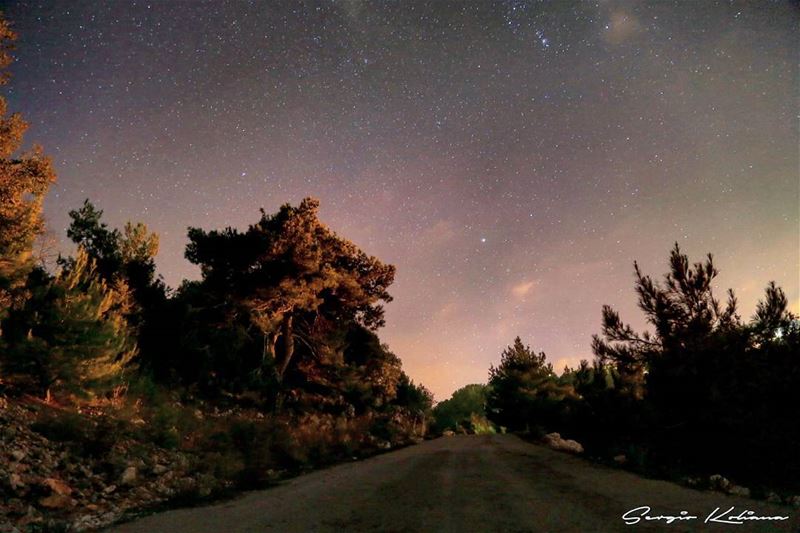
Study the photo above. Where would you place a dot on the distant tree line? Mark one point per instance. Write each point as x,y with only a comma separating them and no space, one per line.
464,411
704,392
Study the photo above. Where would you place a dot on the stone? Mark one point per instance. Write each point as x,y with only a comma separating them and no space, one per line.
620,459
554,441
773,498
57,486
15,481
128,476
448,433
17,455
551,438
56,501
159,469
736,490
109,489
572,446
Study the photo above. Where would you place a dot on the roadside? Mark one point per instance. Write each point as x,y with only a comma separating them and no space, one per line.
83,468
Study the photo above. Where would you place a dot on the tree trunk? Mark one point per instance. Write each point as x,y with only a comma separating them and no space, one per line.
288,346
270,339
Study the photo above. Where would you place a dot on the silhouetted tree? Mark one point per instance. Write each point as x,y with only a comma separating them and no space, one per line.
523,390
709,387
684,312
129,254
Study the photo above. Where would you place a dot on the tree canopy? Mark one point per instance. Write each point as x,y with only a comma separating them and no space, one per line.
287,272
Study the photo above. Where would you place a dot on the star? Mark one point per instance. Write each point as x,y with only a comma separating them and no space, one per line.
423,130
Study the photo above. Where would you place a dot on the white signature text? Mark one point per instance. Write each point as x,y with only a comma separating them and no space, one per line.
730,516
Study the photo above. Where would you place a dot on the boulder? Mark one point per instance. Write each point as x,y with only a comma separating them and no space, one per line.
554,441
736,490
620,459
571,446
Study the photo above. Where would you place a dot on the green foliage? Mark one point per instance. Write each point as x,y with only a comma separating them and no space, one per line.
280,327
72,334
87,437
524,391
465,403
66,426
100,243
414,397
480,425
128,257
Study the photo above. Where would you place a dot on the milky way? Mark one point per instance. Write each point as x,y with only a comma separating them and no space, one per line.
511,158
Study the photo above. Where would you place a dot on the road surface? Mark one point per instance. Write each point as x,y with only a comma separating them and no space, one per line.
466,484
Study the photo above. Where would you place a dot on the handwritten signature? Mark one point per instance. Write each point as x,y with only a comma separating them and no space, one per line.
643,513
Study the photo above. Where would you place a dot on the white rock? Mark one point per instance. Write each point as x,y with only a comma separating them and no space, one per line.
736,490
17,455
554,441
128,476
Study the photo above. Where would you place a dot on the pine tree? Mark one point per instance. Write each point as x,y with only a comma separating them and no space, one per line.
289,271
683,311
24,181
72,334
523,389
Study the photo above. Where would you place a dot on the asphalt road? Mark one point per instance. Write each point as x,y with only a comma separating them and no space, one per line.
466,484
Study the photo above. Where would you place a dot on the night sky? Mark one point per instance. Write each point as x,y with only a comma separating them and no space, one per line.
511,158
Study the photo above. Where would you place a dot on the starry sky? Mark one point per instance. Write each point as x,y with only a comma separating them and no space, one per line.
512,158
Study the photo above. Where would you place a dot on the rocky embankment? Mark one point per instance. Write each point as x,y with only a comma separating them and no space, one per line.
55,484
85,467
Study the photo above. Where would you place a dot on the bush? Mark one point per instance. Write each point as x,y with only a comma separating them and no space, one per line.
62,426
